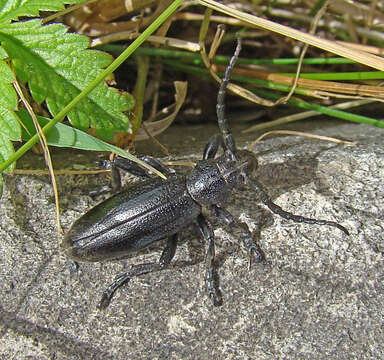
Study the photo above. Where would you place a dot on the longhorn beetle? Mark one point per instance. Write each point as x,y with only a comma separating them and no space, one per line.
156,209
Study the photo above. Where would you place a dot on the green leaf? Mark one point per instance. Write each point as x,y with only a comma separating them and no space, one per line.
13,9
20,53
57,66
6,150
9,126
62,135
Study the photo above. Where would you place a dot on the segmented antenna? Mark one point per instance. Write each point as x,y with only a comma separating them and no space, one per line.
287,215
229,142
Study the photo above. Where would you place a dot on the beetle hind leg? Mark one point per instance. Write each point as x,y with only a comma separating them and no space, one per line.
120,163
141,269
137,170
210,277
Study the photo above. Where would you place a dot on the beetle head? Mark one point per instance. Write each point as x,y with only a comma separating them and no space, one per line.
236,170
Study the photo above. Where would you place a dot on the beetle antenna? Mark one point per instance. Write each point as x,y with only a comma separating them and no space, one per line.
287,215
229,142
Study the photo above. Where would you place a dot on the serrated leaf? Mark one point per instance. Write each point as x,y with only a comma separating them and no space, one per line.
6,149
13,9
57,66
6,74
8,99
9,126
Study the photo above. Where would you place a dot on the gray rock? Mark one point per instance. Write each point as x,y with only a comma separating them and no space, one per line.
319,296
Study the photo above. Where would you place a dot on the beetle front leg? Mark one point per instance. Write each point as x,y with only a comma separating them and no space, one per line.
224,217
208,235
213,145
141,269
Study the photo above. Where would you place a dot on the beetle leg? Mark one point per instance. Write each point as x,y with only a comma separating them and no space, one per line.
208,235
74,266
123,279
115,179
141,269
213,145
135,169
130,167
169,251
224,217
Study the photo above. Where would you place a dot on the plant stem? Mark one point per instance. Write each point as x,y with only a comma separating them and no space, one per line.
326,110
219,59
293,101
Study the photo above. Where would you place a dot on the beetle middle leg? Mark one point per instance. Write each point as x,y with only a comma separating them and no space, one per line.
141,269
224,217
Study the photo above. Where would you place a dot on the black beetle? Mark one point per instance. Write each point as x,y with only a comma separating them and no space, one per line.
156,209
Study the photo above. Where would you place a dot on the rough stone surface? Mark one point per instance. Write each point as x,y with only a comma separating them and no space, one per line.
319,296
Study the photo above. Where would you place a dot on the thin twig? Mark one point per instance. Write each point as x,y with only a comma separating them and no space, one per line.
305,115
312,30
299,133
60,172
44,145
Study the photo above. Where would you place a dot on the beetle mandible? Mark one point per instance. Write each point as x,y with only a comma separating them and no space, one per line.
156,209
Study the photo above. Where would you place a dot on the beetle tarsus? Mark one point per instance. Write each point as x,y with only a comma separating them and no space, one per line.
107,296
111,289
122,280
256,255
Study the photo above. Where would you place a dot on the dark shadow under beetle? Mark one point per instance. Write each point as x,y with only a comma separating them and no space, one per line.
156,209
